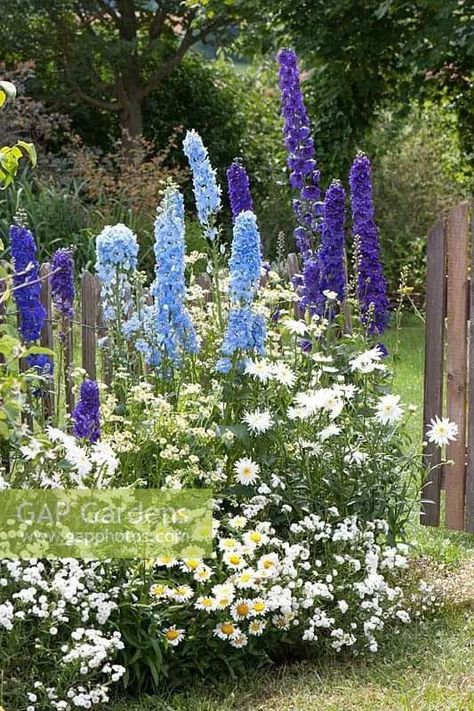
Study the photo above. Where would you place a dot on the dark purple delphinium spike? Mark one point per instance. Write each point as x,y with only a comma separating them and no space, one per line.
239,189
86,415
372,287
26,284
311,293
62,281
304,176
331,252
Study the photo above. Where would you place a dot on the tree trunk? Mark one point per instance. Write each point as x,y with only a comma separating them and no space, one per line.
131,123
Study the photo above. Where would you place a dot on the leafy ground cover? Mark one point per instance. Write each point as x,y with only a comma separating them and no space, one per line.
428,667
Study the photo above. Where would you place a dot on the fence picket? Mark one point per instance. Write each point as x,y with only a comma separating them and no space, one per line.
456,358
434,368
90,302
470,428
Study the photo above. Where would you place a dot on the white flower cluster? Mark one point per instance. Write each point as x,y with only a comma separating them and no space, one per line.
55,599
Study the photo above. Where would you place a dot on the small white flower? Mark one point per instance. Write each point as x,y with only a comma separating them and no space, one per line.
283,374
329,431
259,369
330,295
442,431
246,471
258,421
299,328
388,409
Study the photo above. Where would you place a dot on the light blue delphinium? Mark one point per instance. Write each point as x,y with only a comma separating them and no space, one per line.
116,258
206,190
168,329
246,331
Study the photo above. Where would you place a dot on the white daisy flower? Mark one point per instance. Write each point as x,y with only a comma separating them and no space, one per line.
259,369
206,603
239,641
238,522
441,431
283,374
256,627
330,295
368,361
329,431
174,635
182,593
258,421
235,560
247,471
241,609
388,410
227,630
298,328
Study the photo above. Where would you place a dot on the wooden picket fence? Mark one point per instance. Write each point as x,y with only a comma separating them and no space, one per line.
449,367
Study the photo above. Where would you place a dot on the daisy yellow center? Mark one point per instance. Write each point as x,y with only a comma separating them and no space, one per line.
158,590
227,628
268,564
181,591
243,609
171,635
259,606
234,559
256,537
192,564
206,602
223,602
246,470
245,577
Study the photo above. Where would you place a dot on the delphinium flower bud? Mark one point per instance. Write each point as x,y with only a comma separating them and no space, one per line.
206,190
26,284
239,189
62,282
169,331
86,414
371,284
246,331
304,176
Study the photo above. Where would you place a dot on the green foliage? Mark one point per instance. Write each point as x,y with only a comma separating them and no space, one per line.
418,173
361,54
10,156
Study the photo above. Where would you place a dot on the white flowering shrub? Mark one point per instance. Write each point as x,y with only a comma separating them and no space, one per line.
313,484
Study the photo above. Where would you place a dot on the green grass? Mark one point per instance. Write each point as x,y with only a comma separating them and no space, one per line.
428,667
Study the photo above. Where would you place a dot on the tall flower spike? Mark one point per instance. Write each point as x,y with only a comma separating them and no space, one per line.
304,175
173,333
86,415
26,284
372,287
116,257
239,189
245,332
331,253
206,190
62,281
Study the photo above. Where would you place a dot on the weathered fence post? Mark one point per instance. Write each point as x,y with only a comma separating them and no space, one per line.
434,368
470,428
456,361
47,340
90,291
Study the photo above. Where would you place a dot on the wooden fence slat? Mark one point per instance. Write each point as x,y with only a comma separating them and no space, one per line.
434,368
90,302
457,245
47,340
68,356
470,426
107,373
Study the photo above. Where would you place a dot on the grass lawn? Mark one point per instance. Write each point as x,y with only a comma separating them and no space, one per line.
428,667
